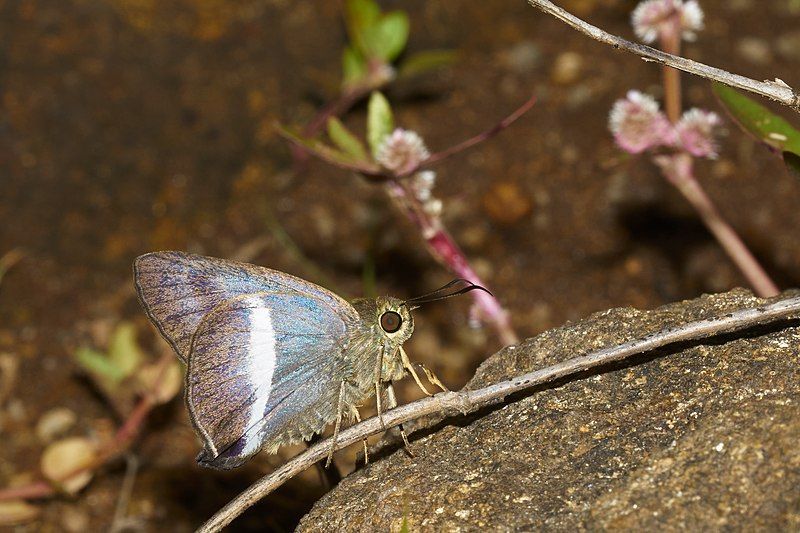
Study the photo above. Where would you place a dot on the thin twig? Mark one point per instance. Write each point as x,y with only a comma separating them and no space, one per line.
121,522
464,402
479,138
776,90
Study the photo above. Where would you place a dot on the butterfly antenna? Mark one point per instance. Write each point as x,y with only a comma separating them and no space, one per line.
442,292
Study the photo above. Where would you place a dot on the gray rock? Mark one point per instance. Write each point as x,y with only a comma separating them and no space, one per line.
702,436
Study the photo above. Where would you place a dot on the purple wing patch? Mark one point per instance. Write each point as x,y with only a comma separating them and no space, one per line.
178,289
258,363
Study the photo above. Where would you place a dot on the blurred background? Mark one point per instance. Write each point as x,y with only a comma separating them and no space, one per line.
128,126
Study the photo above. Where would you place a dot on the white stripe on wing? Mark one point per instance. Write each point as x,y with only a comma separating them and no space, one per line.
261,357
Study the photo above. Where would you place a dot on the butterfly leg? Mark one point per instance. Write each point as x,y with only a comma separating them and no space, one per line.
407,364
338,425
392,405
432,377
355,414
378,391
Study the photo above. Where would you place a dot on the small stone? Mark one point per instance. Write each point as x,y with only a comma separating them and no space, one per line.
74,519
54,423
788,45
754,50
567,68
506,203
523,57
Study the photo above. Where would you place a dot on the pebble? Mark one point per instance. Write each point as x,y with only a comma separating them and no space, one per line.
74,519
567,68
523,57
54,423
754,50
506,203
788,45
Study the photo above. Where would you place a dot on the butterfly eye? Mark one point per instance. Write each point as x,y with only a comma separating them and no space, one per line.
390,321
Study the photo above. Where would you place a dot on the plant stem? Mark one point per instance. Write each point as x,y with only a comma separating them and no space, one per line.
671,43
678,169
447,252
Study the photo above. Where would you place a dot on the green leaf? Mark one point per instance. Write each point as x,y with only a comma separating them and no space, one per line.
345,140
428,60
98,364
354,66
380,121
360,14
331,155
387,38
759,121
123,350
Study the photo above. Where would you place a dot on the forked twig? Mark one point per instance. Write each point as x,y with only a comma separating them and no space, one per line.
776,90
464,402
479,138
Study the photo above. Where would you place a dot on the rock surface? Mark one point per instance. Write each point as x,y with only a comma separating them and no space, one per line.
701,436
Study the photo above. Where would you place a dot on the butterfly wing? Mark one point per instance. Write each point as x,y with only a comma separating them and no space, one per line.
265,370
178,289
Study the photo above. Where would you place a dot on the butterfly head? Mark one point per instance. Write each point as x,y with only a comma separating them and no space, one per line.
388,318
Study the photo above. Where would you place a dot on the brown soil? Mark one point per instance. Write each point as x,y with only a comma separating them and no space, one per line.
128,126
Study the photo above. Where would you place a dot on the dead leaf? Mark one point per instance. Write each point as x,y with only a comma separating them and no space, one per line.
66,456
162,383
16,512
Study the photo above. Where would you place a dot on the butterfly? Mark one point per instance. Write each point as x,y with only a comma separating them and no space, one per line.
273,359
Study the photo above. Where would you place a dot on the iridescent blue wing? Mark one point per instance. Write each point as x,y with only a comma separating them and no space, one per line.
178,289
265,370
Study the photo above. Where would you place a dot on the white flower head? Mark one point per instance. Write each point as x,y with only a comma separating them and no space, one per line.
422,184
402,151
695,132
656,18
638,124
433,207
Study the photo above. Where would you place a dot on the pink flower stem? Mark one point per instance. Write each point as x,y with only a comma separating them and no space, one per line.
445,250
678,169
671,43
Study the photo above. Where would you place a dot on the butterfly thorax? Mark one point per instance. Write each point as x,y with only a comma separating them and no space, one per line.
372,334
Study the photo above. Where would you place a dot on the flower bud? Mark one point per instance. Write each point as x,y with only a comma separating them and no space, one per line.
402,151
638,124
695,132
653,19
